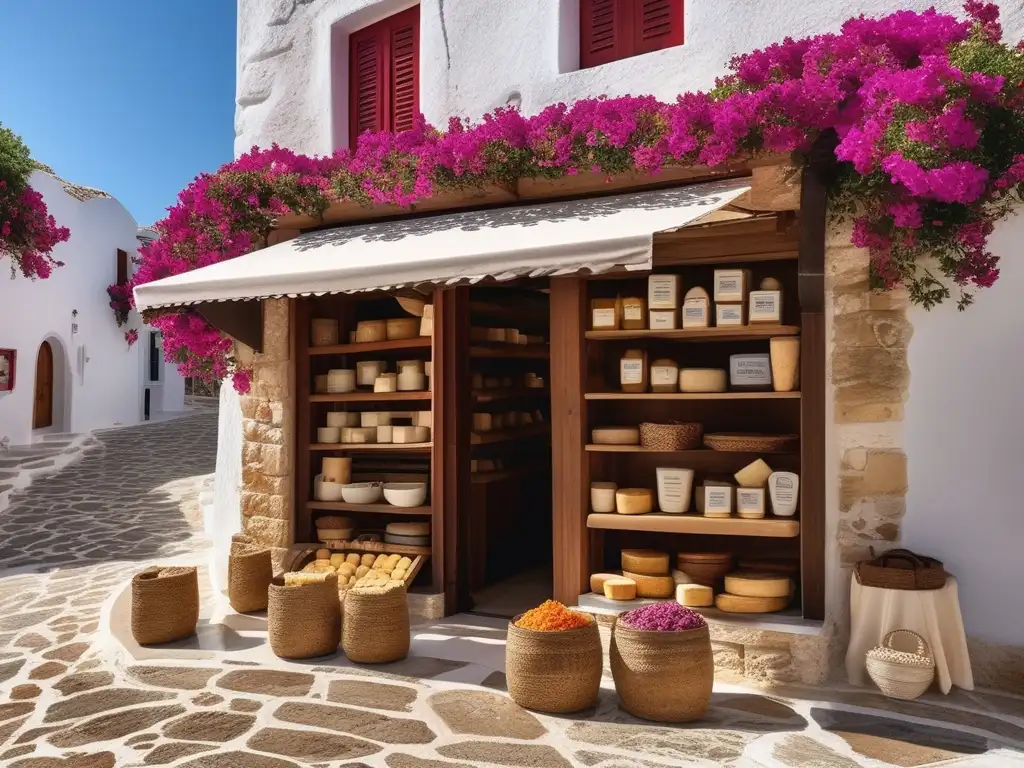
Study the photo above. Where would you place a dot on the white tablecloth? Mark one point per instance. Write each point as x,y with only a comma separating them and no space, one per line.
933,613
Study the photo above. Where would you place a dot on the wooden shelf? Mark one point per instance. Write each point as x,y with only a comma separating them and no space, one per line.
361,546
735,333
490,395
504,474
395,447
383,508
513,433
510,351
780,528
693,396
420,342
369,397
698,452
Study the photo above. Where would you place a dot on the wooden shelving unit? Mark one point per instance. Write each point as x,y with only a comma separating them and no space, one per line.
380,509
370,397
782,528
372,447
693,396
360,546
395,345
730,333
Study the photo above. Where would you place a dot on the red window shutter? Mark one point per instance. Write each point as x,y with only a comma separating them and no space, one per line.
605,31
122,267
366,84
404,53
658,24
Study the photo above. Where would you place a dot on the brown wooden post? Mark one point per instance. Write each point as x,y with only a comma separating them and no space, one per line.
450,454
570,470
302,387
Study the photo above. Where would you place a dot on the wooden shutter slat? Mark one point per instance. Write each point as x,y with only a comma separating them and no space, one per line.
659,24
404,74
366,91
602,33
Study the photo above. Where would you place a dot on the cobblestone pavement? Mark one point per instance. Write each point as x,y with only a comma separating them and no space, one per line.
71,697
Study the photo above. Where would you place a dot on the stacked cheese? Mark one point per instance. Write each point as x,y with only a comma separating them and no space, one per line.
754,592
645,573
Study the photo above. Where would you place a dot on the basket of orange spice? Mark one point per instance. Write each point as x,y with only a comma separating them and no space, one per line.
553,659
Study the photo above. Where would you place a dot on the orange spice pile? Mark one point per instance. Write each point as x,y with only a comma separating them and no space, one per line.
552,616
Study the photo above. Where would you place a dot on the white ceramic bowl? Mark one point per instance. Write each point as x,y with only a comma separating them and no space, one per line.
328,491
405,494
361,493
328,434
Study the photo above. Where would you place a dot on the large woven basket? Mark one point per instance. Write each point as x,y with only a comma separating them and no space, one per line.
376,625
165,604
662,676
555,672
675,436
901,569
249,574
304,621
901,674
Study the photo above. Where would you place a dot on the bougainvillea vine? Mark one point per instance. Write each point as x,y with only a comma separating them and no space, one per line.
120,301
927,110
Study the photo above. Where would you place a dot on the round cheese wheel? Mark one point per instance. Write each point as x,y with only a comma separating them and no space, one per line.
656,587
742,604
694,595
597,581
649,562
757,584
408,529
620,588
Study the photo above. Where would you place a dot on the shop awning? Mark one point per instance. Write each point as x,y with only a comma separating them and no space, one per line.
590,235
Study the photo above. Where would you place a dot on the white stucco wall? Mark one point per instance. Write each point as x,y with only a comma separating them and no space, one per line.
964,422
105,388
475,53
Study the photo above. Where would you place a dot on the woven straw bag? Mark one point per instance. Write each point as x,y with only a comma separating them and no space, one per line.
662,676
249,574
165,604
304,621
676,436
900,674
555,672
376,625
901,569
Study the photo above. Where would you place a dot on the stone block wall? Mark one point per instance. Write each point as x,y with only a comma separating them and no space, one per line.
267,426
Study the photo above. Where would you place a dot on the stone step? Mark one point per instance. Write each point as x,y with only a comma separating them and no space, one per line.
60,437
32,450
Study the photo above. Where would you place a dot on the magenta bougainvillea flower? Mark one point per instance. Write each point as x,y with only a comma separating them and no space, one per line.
928,111
28,233
130,337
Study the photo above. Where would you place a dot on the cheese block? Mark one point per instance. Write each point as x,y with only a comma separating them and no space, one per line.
620,588
375,418
597,581
753,584
408,529
410,434
371,330
702,380
358,434
679,577
743,604
656,587
402,328
386,382
754,475
649,562
634,501
367,372
616,436
696,308
694,595
343,419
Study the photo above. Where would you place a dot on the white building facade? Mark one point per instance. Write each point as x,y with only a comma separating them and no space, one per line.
74,370
299,64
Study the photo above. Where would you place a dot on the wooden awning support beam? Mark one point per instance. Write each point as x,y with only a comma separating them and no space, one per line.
241,320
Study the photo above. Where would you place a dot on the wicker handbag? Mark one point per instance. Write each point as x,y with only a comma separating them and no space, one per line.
901,674
165,604
901,569
675,436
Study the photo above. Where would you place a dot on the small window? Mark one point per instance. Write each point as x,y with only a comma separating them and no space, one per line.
122,267
384,78
611,30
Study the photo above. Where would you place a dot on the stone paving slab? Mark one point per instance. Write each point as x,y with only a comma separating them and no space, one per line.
72,694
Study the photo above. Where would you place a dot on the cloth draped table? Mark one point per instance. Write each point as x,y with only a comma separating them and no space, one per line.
932,613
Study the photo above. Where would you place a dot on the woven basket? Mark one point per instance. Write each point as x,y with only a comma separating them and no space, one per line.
675,436
751,443
662,676
554,672
376,625
899,674
305,621
249,574
901,569
165,604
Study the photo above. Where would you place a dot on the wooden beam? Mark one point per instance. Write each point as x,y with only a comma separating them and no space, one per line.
241,320
570,464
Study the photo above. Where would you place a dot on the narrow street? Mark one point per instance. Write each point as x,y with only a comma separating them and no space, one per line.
73,697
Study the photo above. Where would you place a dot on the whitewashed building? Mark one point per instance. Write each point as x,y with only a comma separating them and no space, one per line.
73,370
313,74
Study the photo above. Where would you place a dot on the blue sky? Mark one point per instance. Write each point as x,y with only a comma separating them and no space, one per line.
135,97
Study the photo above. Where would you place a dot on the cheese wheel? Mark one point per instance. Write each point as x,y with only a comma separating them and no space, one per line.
757,584
754,475
694,595
649,562
743,604
657,587
634,501
679,577
620,588
353,558
323,554
404,563
597,581
368,560
702,380
408,529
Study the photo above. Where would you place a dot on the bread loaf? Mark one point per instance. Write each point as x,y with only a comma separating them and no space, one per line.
404,563
694,595
353,558
620,588
649,562
337,559
368,560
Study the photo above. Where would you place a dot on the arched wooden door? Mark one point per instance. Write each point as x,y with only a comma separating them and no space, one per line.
42,409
